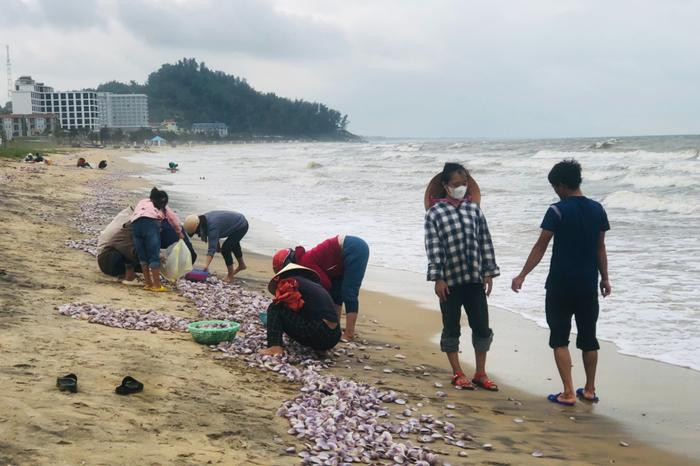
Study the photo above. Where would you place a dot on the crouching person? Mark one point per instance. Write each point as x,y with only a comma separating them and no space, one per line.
302,309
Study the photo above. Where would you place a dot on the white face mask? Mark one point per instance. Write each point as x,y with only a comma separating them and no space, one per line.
457,193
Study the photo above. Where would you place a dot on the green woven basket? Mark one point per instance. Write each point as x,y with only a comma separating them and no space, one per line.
212,336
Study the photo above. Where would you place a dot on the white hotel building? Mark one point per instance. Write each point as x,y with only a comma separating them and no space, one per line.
81,109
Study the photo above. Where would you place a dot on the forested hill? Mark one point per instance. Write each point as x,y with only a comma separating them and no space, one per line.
189,92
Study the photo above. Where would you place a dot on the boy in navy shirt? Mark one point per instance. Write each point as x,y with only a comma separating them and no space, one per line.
578,225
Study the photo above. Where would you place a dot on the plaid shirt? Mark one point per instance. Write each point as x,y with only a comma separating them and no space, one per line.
458,244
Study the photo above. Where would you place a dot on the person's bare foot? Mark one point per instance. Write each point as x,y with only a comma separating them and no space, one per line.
272,351
347,337
229,279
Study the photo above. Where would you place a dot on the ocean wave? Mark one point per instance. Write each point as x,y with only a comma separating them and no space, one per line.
648,203
658,181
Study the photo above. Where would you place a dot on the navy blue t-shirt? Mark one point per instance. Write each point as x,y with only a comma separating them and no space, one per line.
576,223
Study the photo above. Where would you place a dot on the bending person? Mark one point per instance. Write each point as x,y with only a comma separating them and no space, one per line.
302,309
341,263
145,226
116,255
213,226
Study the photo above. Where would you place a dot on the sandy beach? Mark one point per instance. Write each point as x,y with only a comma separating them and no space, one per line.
200,408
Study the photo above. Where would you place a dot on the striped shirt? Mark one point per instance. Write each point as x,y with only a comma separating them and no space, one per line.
458,244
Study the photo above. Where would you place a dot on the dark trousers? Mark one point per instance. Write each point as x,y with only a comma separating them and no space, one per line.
559,307
233,245
312,333
472,297
346,288
146,235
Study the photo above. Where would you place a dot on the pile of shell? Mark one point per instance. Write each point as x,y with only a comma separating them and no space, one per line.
123,318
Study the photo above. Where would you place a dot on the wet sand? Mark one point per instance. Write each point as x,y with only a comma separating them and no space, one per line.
197,409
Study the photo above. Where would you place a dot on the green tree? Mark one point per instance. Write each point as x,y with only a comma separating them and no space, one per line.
190,92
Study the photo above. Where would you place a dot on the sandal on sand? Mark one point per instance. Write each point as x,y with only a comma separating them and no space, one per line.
581,396
554,398
157,290
129,385
459,380
484,382
68,383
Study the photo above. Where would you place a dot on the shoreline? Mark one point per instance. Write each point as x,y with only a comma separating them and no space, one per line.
206,386
660,420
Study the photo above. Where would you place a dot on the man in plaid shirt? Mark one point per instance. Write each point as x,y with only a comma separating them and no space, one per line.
462,263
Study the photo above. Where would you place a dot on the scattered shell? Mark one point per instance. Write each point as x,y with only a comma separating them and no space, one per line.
367,368
537,454
400,401
450,406
518,420
487,446
399,356
437,385
463,454
440,394
624,444
387,371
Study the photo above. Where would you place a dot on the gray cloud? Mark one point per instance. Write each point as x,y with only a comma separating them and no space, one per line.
63,14
516,68
251,27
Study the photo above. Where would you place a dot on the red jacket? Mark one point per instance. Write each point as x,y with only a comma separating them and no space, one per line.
326,259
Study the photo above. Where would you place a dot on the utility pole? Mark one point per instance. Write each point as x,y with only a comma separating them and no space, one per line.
9,74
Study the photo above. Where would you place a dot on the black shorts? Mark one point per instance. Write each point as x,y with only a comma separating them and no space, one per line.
559,307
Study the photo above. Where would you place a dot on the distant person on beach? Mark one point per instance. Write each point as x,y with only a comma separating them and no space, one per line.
102,165
145,224
82,163
218,224
302,309
578,225
172,166
462,263
340,263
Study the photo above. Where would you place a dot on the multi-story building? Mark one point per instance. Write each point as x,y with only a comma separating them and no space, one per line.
210,129
126,111
81,109
33,124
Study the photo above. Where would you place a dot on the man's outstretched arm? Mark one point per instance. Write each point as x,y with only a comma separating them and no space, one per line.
533,259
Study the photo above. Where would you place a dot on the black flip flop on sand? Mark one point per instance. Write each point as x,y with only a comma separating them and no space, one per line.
129,385
68,383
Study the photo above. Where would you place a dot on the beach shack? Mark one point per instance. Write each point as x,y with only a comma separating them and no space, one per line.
157,141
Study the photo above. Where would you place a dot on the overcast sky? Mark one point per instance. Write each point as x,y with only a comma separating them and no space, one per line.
418,68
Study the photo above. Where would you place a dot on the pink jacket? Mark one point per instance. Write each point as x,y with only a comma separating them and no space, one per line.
145,208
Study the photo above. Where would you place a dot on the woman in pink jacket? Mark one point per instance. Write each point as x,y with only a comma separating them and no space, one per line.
145,228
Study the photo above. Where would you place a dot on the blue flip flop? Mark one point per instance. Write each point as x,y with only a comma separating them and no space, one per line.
580,395
554,398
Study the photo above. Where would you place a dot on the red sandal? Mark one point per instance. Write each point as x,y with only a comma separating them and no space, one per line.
484,382
461,381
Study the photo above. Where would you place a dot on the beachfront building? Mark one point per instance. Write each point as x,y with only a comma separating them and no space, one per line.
80,108
210,129
169,126
125,111
33,124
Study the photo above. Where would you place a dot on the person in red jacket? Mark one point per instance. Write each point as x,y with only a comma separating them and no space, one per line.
340,263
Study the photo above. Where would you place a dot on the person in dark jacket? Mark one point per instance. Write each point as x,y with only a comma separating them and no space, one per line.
302,309
213,226
341,263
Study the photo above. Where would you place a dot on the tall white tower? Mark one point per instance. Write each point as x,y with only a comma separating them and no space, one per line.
9,74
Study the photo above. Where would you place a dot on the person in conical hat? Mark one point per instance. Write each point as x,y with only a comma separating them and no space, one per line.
341,263
462,263
217,224
302,309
